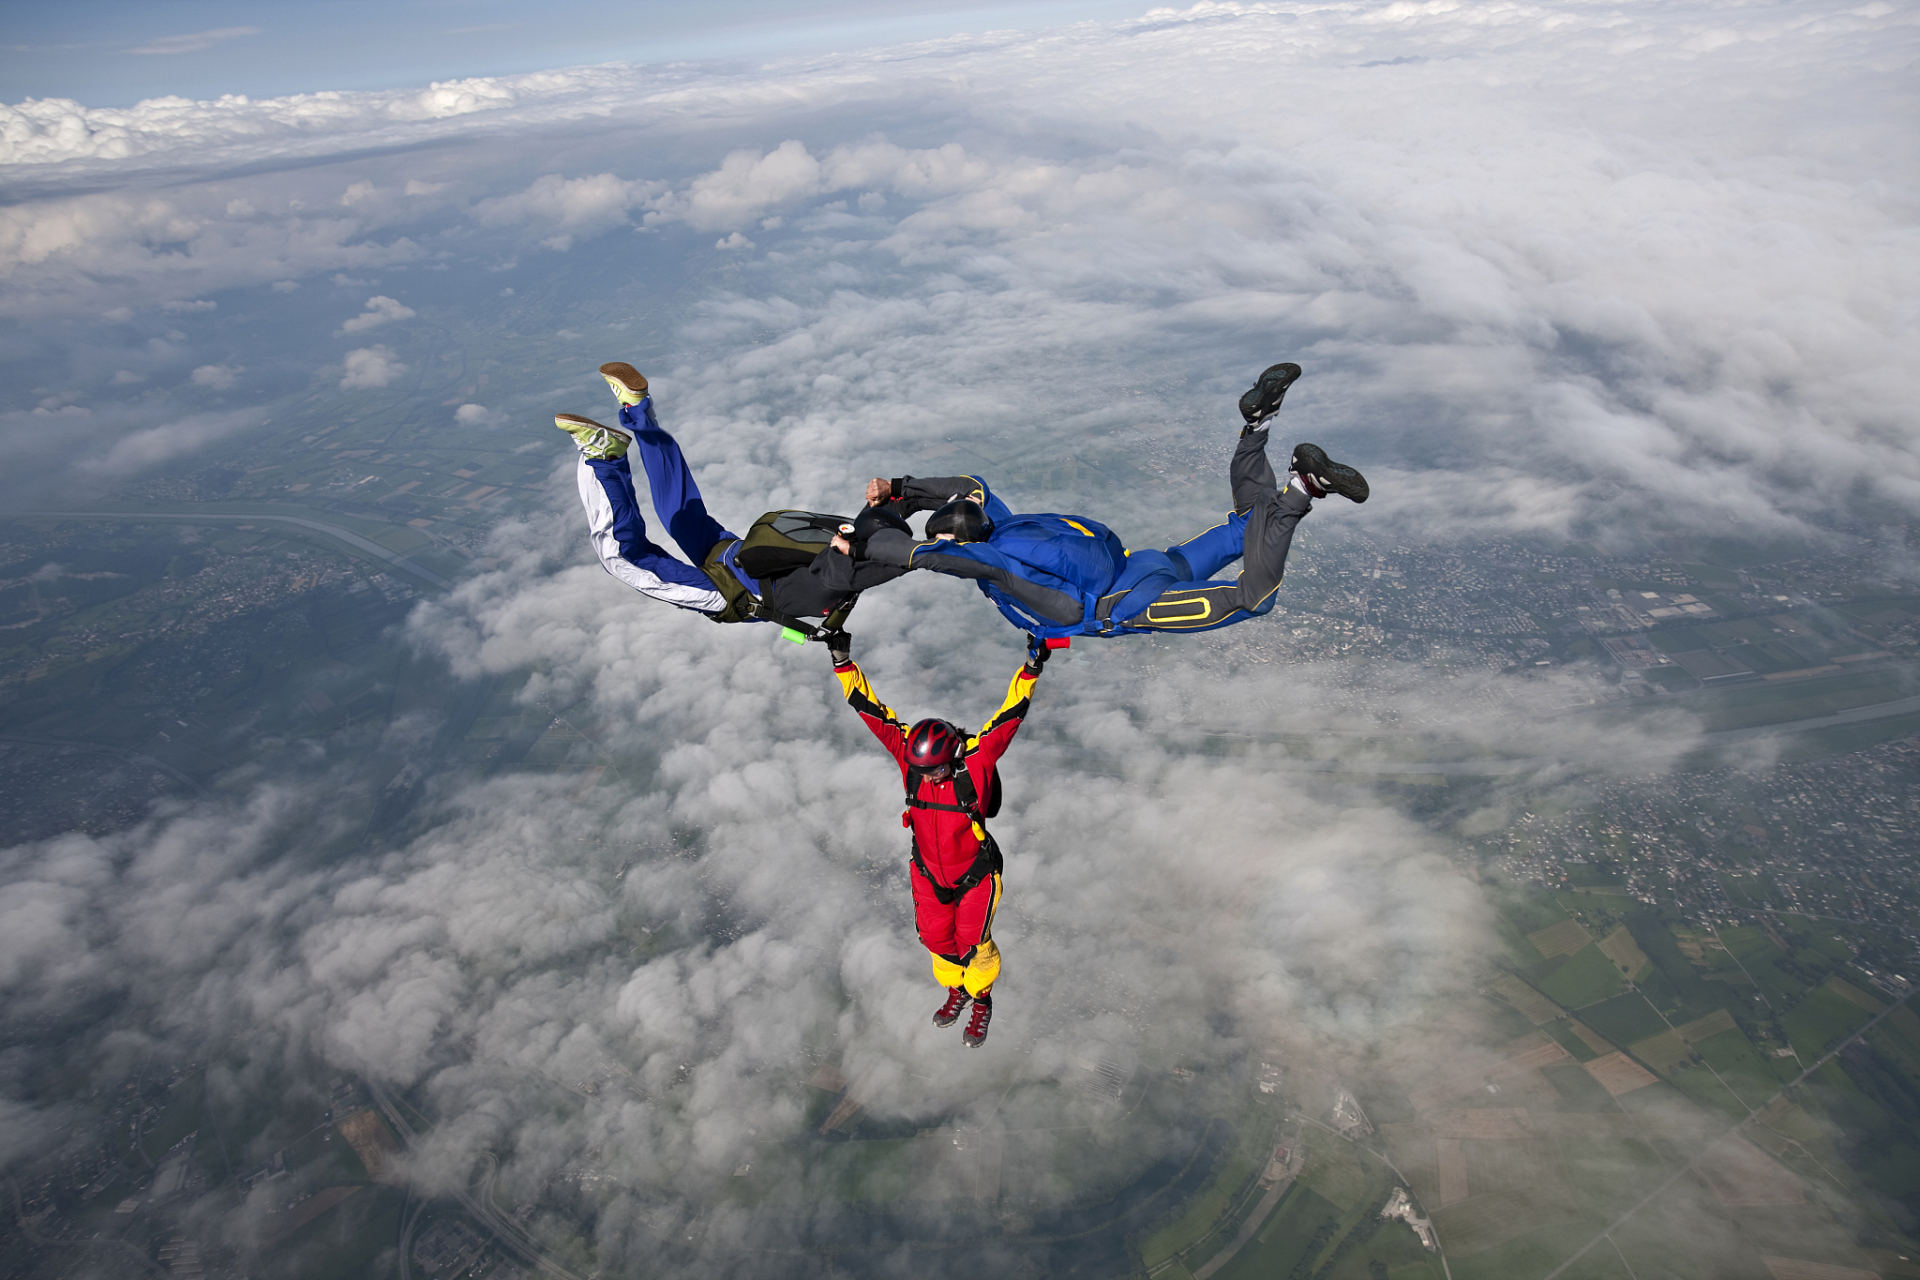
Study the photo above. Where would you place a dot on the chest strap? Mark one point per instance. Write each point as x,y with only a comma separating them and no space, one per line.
986,861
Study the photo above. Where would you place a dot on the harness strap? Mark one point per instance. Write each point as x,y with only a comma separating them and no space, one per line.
986,861
742,604
963,790
914,802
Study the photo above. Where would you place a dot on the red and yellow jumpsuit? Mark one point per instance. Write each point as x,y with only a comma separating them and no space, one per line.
958,934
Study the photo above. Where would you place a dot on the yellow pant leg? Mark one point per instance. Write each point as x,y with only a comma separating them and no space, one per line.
946,972
984,966
984,969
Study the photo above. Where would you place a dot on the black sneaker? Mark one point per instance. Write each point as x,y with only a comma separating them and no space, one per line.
1263,401
1323,475
949,1013
976,1033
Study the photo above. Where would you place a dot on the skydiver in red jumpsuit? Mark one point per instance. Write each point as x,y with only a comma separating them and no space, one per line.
949,778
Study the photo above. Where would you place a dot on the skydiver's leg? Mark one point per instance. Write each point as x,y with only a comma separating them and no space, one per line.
676,495
617,530
1271,515
1264,516
933,920
973,934
1204,555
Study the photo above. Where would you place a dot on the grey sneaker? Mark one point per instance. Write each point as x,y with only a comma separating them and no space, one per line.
628,383
1324,476
597,442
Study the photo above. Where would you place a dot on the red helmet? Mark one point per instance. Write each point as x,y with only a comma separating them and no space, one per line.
932,743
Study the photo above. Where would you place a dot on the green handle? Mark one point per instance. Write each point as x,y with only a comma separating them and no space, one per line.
788,633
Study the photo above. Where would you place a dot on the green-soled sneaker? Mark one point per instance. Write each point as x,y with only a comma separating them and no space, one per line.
597,442
629,386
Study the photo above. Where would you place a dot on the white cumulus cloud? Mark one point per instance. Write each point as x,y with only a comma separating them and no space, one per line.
748,183
217,376
370,367
142,449
380,310
570,207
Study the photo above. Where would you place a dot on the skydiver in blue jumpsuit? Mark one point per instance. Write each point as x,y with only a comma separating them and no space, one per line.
1061,576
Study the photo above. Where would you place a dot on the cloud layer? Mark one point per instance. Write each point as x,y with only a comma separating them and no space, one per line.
1558,258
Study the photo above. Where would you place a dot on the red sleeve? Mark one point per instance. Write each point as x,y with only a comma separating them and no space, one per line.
877,715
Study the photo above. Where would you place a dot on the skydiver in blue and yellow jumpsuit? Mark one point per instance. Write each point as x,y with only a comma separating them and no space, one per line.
1061,576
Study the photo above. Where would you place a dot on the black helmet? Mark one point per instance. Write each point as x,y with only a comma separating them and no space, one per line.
964,518
872,520
932,743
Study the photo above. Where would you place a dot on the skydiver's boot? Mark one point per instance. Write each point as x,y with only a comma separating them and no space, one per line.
1321,475
629,386
597,443
1262,401
976,1033
949,1013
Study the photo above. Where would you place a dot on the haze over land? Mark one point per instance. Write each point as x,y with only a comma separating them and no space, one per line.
1613,305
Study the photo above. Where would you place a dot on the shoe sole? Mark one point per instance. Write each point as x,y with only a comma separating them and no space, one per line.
1271,384
623,377
1334,477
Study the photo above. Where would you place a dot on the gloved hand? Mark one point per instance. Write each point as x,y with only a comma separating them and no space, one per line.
1037,652
839,647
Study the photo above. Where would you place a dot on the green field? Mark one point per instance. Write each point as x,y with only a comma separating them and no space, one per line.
1753,705
1498,1224
1564,1036
1820,1021
1530,910
1587,977
1624,1019
1704,1087
1898,1037
1212,1210
1752,1078
1328,1225
1303,1218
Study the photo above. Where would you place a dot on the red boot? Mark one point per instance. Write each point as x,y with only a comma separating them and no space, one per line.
976,1033
949,1013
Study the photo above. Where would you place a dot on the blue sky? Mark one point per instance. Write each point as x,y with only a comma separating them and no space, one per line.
115,53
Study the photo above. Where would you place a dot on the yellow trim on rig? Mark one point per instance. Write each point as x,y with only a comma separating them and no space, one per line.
1154,613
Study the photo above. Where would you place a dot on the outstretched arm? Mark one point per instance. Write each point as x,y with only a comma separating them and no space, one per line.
979,561
912,494
986,747
877,715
